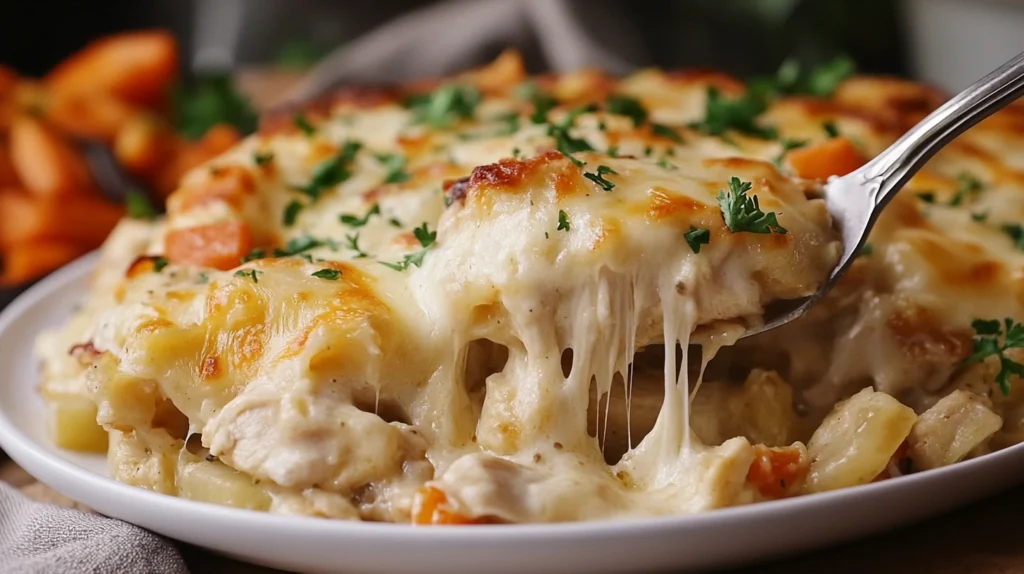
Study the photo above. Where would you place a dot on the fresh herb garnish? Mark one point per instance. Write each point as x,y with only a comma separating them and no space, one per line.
250,273
138,206
739,114
664,163
327,274
204,278
353,221
297,245
566,143
866,249
445,105
160,263
1016,232
788,145
352,242
427,239
696,237
667,132
743,213
395,222
424,235
613,151
987,344
831,130
291,212
563,221
332,171
980,217
517,153
303,124
820,81
541,100
621,105
299,54
599,179
262,158
256,253
968,186
927,196
210,101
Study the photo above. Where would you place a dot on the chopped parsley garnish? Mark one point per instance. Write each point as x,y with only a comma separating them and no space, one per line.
517,153
831,130
621,105
332,171
788,145
541,100
968,186
138,206
291,212
250,273
739,114
353,221
445,105
511,121
927,196
204,278
987,344
262,158
563,221
297,246
303,124
579,163
980,217
866,249
613,151
743,213
820,81
566,143
599,179
1016,232
209,101
427,238
352,242
327,274
395,222
667,132
159,264
256,253
696,237
664,163
395,166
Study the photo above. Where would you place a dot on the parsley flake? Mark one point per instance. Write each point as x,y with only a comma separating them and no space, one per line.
395,222
987,344
599,179
395,166
743,213
250,273
667,132
427,239
160,263
621,105
303,124
327,274
353,221
262,158
866,249
968,187
445,105
424,235
541,100
332,171
1016,232
138,206
696,237
563,221
980,217
831,130
739,114
352,242
291,212
927,196
665,164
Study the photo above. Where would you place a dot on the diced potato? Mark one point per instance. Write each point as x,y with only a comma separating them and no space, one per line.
856,440
213,481
952,428
146,459
761,410
73,424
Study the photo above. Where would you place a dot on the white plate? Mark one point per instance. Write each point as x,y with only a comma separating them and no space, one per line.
715,539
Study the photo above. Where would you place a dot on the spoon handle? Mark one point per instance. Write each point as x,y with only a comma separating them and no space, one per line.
893,167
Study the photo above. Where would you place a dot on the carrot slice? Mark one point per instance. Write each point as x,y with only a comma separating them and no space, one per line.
220,138
218,245
45,162
138,67
84,220
8,177
28,261
94,115
143,144
430,506
837,156
775,471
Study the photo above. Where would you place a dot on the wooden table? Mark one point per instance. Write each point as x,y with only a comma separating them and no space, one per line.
985,538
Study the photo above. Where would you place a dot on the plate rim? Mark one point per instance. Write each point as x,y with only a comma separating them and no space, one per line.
39,460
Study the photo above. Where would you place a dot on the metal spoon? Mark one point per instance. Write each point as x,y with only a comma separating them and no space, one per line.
855,200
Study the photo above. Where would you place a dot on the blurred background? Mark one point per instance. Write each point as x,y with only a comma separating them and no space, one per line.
74,158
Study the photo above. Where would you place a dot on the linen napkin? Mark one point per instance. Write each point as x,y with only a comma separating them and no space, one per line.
39,538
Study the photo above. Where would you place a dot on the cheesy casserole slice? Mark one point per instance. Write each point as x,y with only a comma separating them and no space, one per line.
497,298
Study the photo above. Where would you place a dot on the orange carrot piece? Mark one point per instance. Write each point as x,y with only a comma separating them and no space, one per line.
84,220
46,163
25,262
8,177
143,144
430,507
93,115
218,245
220,138
775,471
139,67
837,156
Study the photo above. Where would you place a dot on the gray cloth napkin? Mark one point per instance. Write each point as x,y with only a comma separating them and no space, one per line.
37,538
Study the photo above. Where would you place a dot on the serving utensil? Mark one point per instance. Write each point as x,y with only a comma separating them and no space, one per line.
855,200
